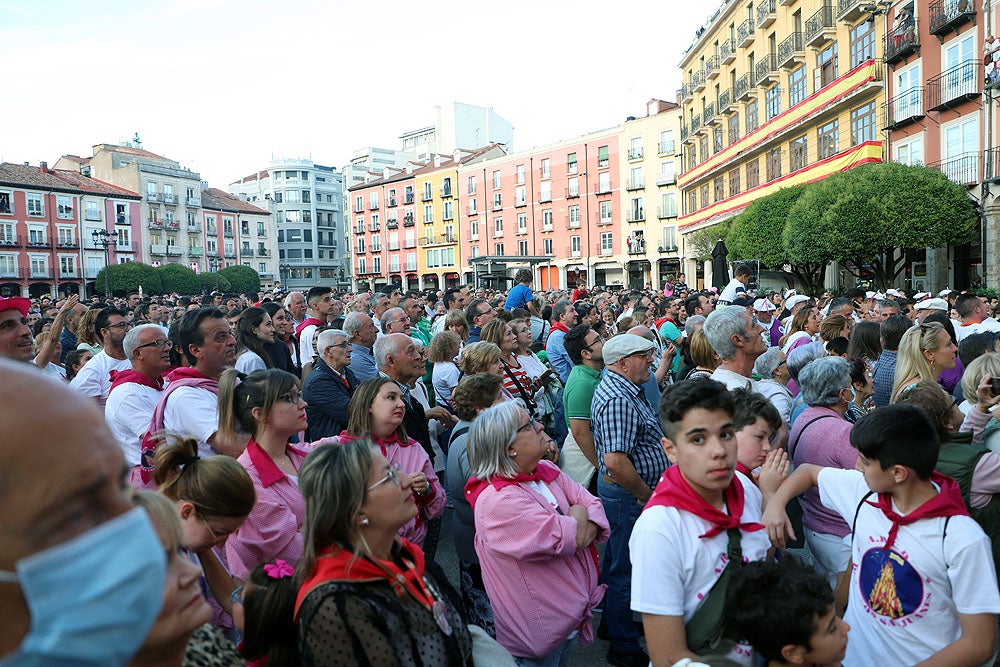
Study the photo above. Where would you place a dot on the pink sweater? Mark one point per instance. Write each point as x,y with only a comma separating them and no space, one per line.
541,586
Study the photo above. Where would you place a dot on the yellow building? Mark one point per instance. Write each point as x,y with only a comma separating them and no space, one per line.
649,166
438,259
777,93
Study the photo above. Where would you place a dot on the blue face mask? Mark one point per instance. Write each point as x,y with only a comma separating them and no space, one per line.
92,599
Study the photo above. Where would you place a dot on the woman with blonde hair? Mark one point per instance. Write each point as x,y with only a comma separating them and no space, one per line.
455,321
376,413
925,351
368,596
834,326
980,367
483,357
704,357
86,335
445,374
803,329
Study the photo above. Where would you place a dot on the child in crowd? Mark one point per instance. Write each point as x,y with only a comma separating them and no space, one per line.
756,421
264,610
923,585
700,525
785,610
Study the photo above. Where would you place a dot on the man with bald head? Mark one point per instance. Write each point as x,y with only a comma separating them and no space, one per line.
81,570
16,342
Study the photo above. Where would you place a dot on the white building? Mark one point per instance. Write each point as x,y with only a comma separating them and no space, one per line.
458,125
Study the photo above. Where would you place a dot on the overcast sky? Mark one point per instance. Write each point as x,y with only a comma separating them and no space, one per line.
222,85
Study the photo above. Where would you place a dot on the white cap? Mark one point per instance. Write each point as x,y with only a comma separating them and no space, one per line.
945,292
795,300
893,292
870,295
920,295
763,306
932,304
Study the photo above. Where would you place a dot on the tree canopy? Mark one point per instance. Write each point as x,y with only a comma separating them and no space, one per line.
179,279
130,277
242,278
213,281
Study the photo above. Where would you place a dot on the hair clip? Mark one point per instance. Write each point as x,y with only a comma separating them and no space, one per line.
279,569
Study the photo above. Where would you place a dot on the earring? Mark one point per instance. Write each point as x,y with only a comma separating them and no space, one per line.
364,522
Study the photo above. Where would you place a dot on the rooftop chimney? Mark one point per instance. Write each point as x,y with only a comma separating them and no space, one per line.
43,167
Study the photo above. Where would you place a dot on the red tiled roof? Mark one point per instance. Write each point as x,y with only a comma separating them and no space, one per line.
254,176
77,159
27,176
216,199
134,151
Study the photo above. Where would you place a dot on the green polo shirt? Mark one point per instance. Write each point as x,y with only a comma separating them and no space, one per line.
579,392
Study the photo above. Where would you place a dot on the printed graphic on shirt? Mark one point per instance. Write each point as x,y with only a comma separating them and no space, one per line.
890,586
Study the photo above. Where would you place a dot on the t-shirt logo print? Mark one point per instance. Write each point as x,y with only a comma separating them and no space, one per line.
889,584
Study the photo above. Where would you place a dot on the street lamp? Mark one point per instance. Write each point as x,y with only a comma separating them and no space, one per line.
105,240
213,263
284,269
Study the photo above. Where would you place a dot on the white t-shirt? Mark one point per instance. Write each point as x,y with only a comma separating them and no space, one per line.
904,602
673,569
94,379
128,413
733,380
730,291
193,412
306,351
55,370
249,361
962,331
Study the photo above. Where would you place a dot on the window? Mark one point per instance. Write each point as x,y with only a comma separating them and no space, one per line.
260,228
362,266
704,196
8,265
293,197
751,116
498,248
910,152
376,243
522,248
692,201
798,153
959,150
606,213
547,219
446,187
703,148
604,182
603,159
359,203
863,124
774,164
828,140
734,182
522,223
497,201
428,213
734,128
64,207
826,67
497,226
668,205
607,243
7,204
668,237
546,191
720,189
372,199
449,210
797,89
360,245
66,236
666,142
151,188
474,229
772,102
574,216
635,178
862,38
907,102
520,196
124,238
408,194
571,163
960,72
573,187
716,140
574,244
635,148
279,197
376,264
39,266
67,266
547,246
753,174
34,205
546,168
374,224
472,185
392,197
496,180
427,191
520,173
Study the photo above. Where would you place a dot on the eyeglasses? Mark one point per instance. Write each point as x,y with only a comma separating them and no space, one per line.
121,325
391,476
532,424
235,597
344,344
217,536
160,344
293,396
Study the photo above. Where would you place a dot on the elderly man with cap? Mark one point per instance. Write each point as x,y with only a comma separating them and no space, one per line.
627,437
763,311
82,571
931,306
16,342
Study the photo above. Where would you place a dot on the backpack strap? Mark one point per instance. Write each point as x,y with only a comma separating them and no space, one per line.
792,446
858,511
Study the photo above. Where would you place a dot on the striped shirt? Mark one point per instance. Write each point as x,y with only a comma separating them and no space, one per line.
623,421
522,378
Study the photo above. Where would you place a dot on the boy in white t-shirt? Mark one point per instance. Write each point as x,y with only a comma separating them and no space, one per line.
700,525
923,586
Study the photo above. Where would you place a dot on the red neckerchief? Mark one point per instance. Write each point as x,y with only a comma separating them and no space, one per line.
338,564
674,491
187,372
123,377
544,472
558,326
267,469
383,445
308,322
743,469
948,502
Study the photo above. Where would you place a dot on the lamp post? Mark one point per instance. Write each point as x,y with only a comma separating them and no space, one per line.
105,240
284,269
213,263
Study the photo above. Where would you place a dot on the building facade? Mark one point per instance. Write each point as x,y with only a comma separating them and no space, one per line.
457,125
306,200
237,233
776,93
48,221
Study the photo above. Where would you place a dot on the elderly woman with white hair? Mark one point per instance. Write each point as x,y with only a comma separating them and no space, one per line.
772,369
822,436
535,534
796,360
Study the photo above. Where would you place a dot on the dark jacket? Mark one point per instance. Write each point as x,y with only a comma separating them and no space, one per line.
327,398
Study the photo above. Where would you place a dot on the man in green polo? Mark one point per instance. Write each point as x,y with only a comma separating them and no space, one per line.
579,455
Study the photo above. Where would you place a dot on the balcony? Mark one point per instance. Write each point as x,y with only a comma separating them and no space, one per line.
742,90
905,108
426,196
174,250
153,197
698,81
439,239
408,221
373,205
686,92
664,212
949,15
635,184
962,169
68,245
992,165
445,192
725,101
246,252
745,34
408,199
155,224
686,137
851,10
169,200
767,13
194,229
228,233
11,273
955,86
634,154
391,203
543,196
821,28
727,51
123,247
211,230
766,71
11,242
709,115
194,202
712,67
602,189
603,251
38,243
636,215
411,266
791,53
602,221
264,252
665,148
229,254
158,250
695,125
666,178
573,193
901,42
410,243
36,273
172,225
392,224
637,246
195,252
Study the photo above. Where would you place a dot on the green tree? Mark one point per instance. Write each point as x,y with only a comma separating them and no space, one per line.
756,234
209,282
179,279
698,244
243,278
129,277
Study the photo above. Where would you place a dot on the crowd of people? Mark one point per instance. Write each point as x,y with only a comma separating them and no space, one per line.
261,479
